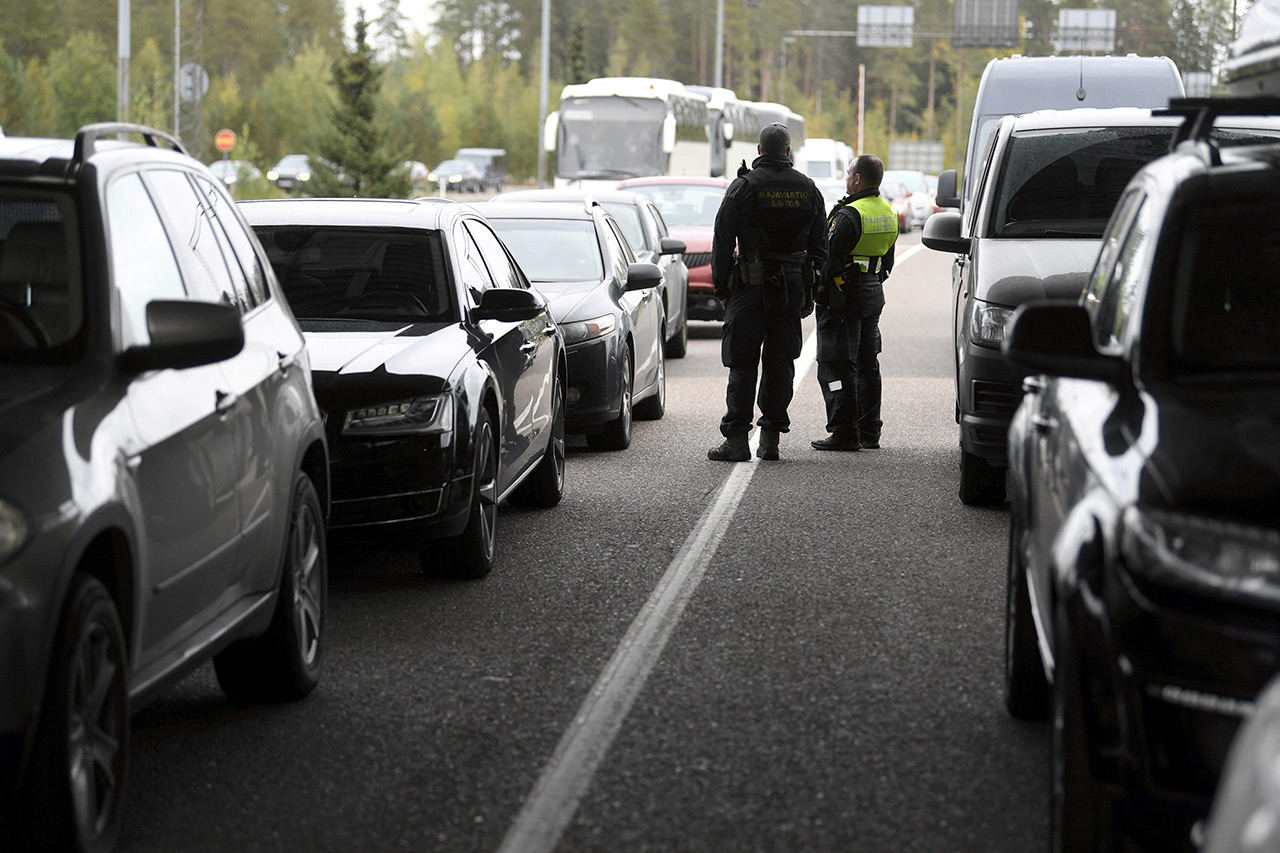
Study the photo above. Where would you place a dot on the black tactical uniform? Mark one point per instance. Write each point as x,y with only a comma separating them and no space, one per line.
776,213
850,296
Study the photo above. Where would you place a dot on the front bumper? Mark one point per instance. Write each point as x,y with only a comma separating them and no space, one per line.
595,383
1168,676
988,390
397,490
703,304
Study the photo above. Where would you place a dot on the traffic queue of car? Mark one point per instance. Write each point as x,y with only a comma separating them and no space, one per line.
200,394
1115,311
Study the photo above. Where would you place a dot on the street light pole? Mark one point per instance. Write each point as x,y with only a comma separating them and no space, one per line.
545,74
719,74
123,52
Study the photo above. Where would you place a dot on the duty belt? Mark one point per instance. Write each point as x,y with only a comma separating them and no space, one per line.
869,265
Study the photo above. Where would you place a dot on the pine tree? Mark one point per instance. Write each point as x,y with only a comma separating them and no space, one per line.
354,160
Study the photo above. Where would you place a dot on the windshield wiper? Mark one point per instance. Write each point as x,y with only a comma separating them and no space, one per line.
603,173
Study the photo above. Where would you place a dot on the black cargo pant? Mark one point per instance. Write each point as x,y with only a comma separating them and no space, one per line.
752,338
849,365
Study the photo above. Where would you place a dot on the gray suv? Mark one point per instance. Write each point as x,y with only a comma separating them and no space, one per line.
163,468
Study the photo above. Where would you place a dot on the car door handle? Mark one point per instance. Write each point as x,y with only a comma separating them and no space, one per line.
1044,424
1032,385
225,401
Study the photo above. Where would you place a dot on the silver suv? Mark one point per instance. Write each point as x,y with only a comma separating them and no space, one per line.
163,468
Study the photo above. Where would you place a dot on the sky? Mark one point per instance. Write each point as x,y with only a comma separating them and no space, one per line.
418,13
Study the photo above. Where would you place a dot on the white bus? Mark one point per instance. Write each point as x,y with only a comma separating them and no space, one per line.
612,128
736,124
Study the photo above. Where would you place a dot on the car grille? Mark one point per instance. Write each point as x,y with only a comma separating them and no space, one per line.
995,398
696,259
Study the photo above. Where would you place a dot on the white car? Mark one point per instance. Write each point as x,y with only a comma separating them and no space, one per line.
919,198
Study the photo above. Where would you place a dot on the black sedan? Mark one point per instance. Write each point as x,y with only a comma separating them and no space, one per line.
1143,596
605,302
438,367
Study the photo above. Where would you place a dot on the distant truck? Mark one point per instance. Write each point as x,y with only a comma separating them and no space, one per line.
1024,84
492,162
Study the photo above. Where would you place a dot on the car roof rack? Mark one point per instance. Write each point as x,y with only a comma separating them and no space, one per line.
1198,115
88,136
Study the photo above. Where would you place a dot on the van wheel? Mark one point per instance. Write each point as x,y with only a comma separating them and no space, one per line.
283,665
981,483
74,795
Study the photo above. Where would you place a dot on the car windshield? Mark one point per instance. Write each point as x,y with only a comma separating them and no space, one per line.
1066,181
42,310
610,137
293,161
560,255
684,204
359,273
892,189
1226,305
454,166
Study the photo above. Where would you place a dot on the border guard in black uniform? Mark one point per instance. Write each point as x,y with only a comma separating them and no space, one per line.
774,215
863,229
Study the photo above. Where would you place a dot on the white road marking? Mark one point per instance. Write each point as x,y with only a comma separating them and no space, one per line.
554,800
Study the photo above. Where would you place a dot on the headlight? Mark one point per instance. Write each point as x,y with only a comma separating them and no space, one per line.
272,175
430,414
431,176
1187,549
455,179
13,530
588,329
231,179
304,176
988,323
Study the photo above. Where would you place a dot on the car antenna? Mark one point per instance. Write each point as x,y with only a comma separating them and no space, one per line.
1081,93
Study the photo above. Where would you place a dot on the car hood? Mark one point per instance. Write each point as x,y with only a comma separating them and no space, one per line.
1011,272
697,238
1217,452
582,302
383,359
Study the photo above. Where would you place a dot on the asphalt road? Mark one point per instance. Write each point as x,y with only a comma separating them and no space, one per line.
683,655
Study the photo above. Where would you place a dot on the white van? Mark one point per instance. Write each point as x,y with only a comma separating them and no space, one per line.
823,158
1024,84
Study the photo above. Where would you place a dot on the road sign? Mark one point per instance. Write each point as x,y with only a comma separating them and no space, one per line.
224,140
985,23
1093,30
885,26
193,82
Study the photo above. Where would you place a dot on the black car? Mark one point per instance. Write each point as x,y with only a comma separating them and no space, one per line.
651,241
439,369
605,303
163,468
1144,551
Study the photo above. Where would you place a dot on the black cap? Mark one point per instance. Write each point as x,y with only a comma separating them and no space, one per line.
774,138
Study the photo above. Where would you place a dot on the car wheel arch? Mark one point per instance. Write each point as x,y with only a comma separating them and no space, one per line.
1077,560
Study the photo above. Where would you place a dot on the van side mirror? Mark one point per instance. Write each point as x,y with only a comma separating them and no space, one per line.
550,131
942,232
1056,337
947,195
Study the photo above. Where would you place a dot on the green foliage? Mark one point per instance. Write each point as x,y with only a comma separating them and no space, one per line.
354,161
151,88
82,77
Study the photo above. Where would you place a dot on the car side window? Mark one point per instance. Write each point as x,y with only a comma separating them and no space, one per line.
495,256
143,266
475,275
663,230
620,253
194,236
246,266
1115,299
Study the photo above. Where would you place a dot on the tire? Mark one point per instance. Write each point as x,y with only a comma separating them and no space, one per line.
545,486
616,434
981,483
74,795
1081,817
678,344
653,408
284,664
470,554
1026,690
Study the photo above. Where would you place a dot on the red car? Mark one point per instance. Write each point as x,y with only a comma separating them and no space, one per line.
688,205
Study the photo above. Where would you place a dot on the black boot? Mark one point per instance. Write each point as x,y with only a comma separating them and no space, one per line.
733,449
836,442
768,448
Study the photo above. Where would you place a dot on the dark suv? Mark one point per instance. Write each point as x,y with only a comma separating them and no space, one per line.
162,468
1144,552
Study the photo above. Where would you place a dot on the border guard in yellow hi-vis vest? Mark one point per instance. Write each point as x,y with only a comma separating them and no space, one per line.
773,215
862,230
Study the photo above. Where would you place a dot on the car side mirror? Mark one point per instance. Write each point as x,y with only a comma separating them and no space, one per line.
1056,337
947,196
642,276
672,246
185,334
550,130
942,233
507,304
